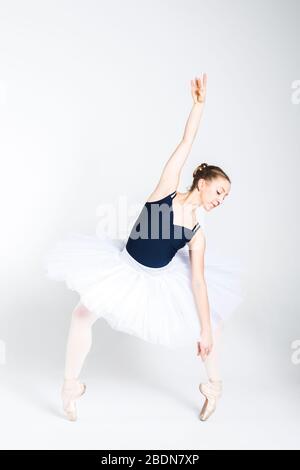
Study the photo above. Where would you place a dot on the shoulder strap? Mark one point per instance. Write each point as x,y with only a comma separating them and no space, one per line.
172,195
196,227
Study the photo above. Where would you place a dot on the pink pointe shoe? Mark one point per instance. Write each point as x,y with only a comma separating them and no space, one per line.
72,389
212,390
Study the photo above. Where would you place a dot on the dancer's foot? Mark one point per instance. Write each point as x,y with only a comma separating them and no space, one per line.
212,390
72,389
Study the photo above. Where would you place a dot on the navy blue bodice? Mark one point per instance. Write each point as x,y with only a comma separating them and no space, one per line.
154,238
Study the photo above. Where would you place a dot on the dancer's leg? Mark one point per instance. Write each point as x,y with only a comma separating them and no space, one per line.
79,340
212,361
78,346
212,390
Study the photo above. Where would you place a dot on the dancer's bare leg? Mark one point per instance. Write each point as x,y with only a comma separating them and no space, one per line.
212,390
78,346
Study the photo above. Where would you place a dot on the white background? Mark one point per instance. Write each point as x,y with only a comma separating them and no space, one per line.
94,97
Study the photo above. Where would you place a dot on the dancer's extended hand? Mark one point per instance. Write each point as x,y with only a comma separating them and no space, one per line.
198,89
205,345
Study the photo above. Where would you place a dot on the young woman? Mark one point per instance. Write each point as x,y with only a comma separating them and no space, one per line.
146,285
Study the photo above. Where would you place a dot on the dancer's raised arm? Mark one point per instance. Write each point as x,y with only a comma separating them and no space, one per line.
170,176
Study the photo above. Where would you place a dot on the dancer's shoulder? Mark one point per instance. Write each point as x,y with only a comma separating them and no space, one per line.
198,240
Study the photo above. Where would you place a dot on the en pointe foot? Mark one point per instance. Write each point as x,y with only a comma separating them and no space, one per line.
212,390
72,389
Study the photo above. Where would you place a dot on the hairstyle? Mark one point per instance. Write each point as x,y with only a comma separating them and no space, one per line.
207,172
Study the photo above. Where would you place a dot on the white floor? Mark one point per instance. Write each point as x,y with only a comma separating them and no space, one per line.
129,410
143,396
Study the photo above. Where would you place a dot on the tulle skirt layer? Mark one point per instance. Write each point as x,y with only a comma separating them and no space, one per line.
154,304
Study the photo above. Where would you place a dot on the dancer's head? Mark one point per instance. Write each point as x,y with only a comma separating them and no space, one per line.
212,183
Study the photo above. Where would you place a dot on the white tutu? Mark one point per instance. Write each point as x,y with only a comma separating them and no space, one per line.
154,304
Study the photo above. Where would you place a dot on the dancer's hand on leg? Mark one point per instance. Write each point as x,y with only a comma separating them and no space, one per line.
205,345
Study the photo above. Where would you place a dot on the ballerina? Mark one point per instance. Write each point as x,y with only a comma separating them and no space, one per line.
146,285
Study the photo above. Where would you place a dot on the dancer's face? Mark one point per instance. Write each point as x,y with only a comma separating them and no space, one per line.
213,192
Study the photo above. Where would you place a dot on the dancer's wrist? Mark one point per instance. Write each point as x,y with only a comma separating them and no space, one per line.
206,328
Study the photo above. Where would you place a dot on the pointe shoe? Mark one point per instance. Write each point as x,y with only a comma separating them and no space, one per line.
212,390
72,389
